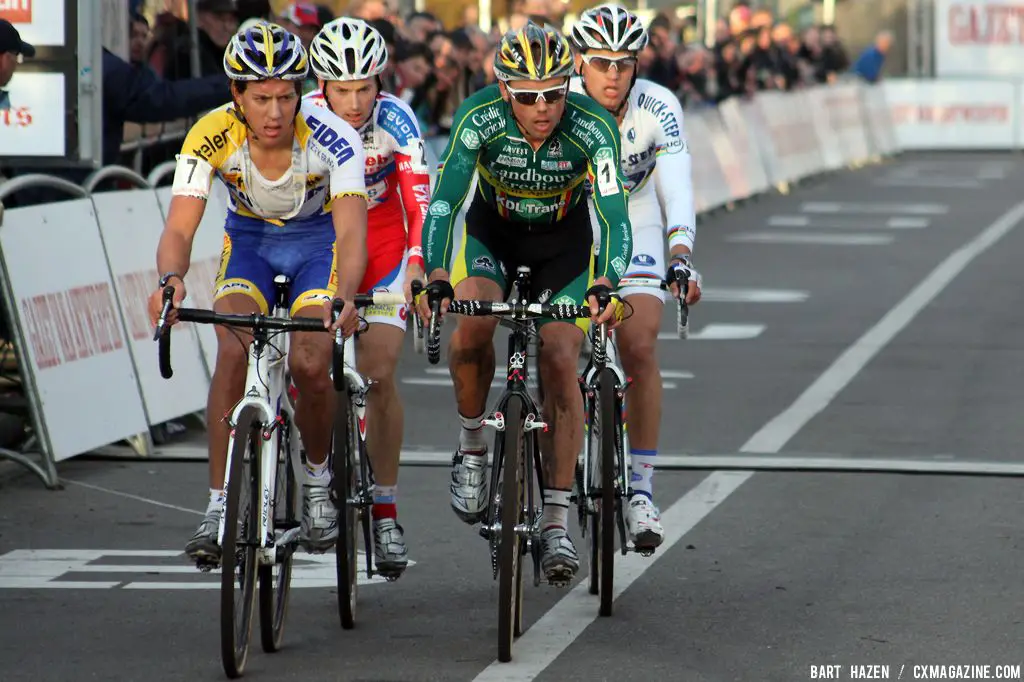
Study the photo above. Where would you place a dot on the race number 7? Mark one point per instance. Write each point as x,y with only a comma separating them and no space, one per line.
192,170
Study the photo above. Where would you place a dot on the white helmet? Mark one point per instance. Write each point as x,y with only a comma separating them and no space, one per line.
609,27
348,50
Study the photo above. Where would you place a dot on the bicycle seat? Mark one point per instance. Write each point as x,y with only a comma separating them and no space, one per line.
281,287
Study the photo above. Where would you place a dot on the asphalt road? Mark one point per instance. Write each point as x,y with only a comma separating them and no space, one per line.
763,575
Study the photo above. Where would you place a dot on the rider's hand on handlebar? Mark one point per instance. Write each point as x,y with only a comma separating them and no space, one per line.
612,314
422,301
412,272
681,261
348,320
156,301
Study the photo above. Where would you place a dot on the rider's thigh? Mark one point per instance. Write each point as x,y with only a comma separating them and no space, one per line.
378,350
559,352
233,342
309,354
638,334
478,329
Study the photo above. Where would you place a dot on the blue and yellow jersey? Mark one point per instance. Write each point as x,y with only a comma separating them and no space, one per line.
328,162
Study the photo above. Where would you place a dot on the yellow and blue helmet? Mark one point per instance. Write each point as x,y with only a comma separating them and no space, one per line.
265,51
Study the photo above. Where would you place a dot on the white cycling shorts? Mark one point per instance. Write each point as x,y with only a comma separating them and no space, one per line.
392,281
648,261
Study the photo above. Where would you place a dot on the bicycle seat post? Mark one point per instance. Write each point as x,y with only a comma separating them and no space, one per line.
523,285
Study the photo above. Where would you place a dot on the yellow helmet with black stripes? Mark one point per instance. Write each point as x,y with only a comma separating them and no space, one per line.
533,53
265,51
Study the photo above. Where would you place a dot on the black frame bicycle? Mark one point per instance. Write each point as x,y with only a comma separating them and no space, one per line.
602,483
512,530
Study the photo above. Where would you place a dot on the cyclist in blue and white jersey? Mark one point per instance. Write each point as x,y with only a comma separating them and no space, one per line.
296,207
656,163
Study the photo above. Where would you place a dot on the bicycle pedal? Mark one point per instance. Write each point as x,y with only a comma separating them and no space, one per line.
206,565
645,551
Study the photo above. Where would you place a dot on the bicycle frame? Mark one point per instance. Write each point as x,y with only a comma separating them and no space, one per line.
265,386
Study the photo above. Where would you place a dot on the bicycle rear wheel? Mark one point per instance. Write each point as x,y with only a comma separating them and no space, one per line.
609,500
510,557
344,484
275,589
238,554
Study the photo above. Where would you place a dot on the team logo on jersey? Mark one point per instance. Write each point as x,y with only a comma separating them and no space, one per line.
422,194
555,148
470,138
643,259
440,208
555,165
631,135
618,265
564,299
484,263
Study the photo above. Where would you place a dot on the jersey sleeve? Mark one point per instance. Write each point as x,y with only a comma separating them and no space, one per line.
673,175
609,197
206,147
398,121
454,178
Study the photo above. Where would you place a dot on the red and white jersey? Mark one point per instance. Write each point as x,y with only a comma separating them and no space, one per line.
397,180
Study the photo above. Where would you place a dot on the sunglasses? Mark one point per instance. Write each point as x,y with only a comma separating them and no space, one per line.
531,97
603,64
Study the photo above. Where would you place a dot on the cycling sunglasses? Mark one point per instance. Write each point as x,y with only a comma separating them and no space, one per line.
531,97
603,64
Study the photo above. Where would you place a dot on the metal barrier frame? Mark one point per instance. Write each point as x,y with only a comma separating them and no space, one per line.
47,470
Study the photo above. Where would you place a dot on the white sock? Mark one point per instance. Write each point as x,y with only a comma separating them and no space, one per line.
217,498
641,463
317,474
471,438
556,509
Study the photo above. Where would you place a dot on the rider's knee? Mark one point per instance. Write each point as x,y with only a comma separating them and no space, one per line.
557,364
639,351
473,333
232,358
309,363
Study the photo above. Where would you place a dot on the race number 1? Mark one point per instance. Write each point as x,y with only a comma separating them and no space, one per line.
607,183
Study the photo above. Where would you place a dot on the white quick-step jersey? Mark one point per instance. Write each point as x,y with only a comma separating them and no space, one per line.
653,136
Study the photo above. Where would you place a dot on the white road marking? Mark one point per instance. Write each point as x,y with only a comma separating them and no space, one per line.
557,629
824,239
774,435
847,223
873,208
932,183
42,568
753,295
137,498
719,332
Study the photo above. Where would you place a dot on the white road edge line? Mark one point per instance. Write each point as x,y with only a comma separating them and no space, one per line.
557,629
774,435
137,498
552,634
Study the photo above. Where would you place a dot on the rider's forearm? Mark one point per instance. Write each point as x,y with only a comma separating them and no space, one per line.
173,254
349,217
616,238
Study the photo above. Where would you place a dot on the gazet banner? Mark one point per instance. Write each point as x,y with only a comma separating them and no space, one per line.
40,22
979,38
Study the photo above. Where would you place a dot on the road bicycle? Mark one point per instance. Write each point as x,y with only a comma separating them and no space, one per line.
512,524
265,517
602,488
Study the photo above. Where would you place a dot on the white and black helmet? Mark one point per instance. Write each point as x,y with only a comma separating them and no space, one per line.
609,27
348,50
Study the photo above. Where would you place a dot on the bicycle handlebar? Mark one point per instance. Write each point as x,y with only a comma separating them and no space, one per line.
265,323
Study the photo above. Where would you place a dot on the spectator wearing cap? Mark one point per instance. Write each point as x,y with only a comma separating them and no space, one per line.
302,19
12,50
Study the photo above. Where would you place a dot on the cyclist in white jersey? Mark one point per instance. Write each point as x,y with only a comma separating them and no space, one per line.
296,207
348,56
656,164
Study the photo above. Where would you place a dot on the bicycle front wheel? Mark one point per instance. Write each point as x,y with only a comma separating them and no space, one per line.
344,485
275,588
510,557
241,539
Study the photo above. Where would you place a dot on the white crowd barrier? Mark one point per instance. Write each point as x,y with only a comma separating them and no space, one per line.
77,274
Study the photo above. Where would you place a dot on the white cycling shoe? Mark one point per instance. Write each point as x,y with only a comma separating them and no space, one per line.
469,486
643,522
